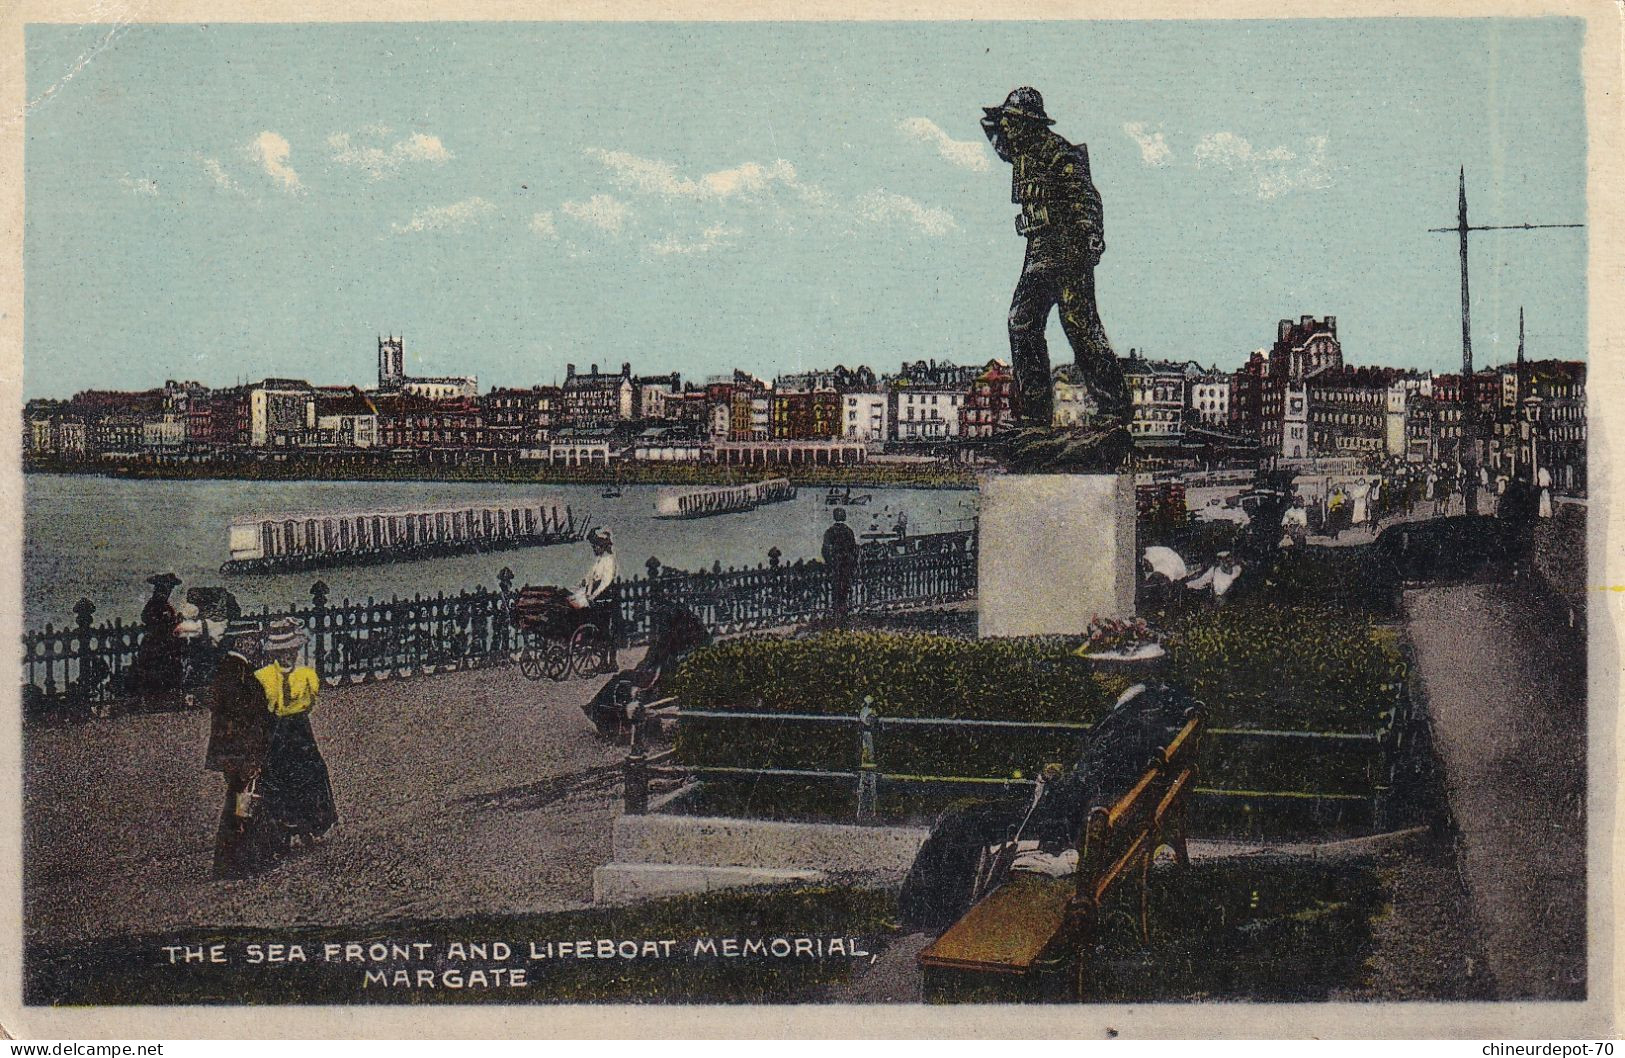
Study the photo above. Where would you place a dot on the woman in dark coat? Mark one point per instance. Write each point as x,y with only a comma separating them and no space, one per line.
298,795
158,659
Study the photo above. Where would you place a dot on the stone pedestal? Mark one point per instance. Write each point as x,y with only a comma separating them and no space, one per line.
1055,551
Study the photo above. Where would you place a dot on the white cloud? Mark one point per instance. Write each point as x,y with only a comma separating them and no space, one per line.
605,212
1154,150
385,160
218,174
138,186
883,206
271,151
1273,172
542,224
967,154
446,218
710,239
652,176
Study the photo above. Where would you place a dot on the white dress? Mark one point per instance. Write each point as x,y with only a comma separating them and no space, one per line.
597,581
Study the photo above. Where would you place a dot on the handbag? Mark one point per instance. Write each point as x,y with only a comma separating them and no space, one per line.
248,800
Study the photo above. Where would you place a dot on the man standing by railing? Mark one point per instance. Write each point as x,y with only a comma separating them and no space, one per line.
239,735
841,557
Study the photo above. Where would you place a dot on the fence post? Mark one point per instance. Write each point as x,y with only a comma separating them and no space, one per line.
82,613
636,780
318,647
868,770
504,606
643,623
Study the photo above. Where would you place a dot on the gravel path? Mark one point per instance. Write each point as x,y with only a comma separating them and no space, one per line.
1505,687
464,793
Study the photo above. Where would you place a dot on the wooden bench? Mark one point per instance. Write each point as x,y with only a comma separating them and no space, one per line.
1030,937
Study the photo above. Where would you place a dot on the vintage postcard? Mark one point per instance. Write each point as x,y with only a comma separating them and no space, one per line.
1082,525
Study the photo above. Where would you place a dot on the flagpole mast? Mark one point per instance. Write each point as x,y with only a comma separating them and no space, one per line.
1467,448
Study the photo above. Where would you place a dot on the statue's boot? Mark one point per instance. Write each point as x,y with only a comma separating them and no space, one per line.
1101,446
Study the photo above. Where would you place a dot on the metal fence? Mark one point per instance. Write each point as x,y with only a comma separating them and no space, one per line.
1336,778
71,670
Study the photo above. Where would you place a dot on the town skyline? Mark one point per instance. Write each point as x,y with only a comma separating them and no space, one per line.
492,221
368,380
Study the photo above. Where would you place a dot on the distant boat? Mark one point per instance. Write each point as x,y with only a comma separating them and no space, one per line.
279,543
898,531
707,500
611,492
839,498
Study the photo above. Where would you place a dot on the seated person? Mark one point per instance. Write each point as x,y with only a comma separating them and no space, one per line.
673,632
944,881
1220,578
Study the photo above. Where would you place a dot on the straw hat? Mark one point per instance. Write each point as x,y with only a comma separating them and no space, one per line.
286,634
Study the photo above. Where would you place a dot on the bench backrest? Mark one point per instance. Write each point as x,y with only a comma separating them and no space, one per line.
1115,837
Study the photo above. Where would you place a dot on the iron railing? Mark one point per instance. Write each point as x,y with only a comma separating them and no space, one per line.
1380,757
70,670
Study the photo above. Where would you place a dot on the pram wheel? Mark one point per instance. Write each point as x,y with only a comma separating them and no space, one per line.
588,655
531,656
556,661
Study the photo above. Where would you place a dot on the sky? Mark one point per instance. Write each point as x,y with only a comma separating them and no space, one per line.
230,202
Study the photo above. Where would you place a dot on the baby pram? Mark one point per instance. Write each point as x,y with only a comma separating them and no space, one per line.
558,639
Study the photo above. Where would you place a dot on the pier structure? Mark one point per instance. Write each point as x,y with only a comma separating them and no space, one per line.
280,542
722,499
789,453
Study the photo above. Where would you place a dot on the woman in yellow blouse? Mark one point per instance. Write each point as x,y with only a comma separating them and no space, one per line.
298,795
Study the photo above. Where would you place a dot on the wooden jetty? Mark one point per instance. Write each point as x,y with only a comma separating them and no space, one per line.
281,543
722,499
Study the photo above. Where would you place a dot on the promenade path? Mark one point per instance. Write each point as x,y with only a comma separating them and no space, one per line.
1505,688
469,792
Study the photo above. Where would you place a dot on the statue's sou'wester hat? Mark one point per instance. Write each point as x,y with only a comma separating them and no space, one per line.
163,580
1023,103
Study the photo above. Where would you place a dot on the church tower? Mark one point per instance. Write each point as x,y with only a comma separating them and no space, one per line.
391,362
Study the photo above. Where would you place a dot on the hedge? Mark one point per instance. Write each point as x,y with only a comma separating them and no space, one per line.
1254,667
1033,678
1296,669
907,676
1355,578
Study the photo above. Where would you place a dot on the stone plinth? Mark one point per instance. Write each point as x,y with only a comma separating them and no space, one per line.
1055,550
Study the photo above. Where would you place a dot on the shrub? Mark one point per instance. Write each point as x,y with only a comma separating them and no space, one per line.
1352,578
1035,679
1300,669
907,675
1254,667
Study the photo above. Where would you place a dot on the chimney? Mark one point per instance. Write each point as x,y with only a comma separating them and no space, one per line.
594,369
1283,329
1331,325
569,372
1305,321
626,369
